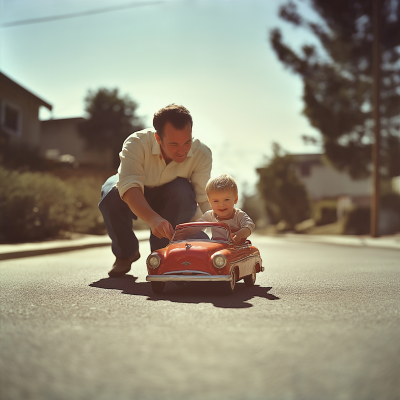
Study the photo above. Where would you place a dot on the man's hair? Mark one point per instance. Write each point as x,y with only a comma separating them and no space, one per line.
221,183
177,116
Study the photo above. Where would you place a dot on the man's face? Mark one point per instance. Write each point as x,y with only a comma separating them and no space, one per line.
176,143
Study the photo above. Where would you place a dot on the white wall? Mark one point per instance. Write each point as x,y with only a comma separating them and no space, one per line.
324,181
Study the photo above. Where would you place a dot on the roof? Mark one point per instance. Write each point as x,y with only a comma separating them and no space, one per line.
62,120
314,158
11,82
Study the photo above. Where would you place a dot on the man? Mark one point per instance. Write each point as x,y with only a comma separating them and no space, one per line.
161,179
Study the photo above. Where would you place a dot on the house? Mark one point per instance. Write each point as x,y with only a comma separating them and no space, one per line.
322,181
396,184
19,119
56,139
62,141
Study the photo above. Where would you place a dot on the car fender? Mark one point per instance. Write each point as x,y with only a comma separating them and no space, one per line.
246,264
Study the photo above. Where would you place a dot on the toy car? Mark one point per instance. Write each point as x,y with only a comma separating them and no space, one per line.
191,256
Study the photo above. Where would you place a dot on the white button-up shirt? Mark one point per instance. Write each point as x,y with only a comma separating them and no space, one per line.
142,164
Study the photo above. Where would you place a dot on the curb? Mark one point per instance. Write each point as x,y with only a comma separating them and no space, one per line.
13,251
391,242
40,252
9,252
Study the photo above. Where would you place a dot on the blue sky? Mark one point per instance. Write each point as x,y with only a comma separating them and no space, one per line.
212,56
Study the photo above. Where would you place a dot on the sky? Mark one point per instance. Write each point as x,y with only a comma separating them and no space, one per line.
212,56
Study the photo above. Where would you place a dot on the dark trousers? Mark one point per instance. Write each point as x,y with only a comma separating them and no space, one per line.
174,201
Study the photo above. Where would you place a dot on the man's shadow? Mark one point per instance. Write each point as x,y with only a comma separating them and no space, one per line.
192,292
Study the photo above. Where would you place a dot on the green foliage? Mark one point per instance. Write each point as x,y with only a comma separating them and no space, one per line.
36,206
253,206
358,220
391,201
22,157
111,120
337,80
325,212
284,194
86,196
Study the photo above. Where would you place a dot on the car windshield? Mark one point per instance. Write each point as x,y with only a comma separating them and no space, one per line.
216,233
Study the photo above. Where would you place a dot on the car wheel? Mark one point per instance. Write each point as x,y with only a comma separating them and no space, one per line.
157,287
250,280
229,287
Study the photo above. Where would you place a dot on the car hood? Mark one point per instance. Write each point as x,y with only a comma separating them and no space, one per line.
177,256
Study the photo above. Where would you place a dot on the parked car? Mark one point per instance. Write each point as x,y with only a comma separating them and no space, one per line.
204,252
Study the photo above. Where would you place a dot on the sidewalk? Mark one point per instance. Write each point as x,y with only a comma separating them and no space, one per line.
9,251
387,242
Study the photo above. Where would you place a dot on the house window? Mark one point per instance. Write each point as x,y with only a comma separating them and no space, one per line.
11,118
305,169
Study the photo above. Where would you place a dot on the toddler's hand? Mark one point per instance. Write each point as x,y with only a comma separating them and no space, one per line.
236,239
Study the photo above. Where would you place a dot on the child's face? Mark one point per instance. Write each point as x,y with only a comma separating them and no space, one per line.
222,202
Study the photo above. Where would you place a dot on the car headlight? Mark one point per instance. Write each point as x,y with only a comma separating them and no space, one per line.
219,261
153,261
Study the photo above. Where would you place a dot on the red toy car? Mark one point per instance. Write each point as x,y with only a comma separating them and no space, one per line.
192,256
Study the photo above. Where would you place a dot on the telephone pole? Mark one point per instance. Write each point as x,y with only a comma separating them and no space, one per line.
376,68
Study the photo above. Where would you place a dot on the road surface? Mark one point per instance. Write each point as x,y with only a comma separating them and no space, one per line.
322,322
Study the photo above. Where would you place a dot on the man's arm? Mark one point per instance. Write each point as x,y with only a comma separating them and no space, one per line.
204,206
136,201
200,176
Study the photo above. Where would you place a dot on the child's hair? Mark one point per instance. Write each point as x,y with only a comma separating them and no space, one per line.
220,183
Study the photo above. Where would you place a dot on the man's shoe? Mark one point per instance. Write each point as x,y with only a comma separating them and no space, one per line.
122,266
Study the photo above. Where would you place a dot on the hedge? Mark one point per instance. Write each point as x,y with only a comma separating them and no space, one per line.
37,206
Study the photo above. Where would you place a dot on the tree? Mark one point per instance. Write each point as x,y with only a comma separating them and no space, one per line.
284,194
253,206
111,120
337,80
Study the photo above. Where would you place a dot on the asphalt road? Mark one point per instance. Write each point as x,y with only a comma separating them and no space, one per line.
323,322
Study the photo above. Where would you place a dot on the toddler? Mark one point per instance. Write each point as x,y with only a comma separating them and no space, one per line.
222,194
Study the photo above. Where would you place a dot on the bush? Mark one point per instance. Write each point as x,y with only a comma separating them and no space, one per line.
23,158
254,207
325,212
359,219
285,196
87,217
391,201
36,206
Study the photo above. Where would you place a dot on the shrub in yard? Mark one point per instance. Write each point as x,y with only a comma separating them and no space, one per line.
22,157
284,194
87,216
325,212
358,221
37,206
391,201
33,206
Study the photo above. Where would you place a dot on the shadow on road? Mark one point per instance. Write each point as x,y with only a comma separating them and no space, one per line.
193,292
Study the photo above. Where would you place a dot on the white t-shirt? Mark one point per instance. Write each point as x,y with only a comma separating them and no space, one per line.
238,221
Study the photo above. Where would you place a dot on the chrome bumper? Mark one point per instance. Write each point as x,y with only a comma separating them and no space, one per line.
188,278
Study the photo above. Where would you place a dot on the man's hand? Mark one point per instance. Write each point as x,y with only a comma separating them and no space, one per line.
160,227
